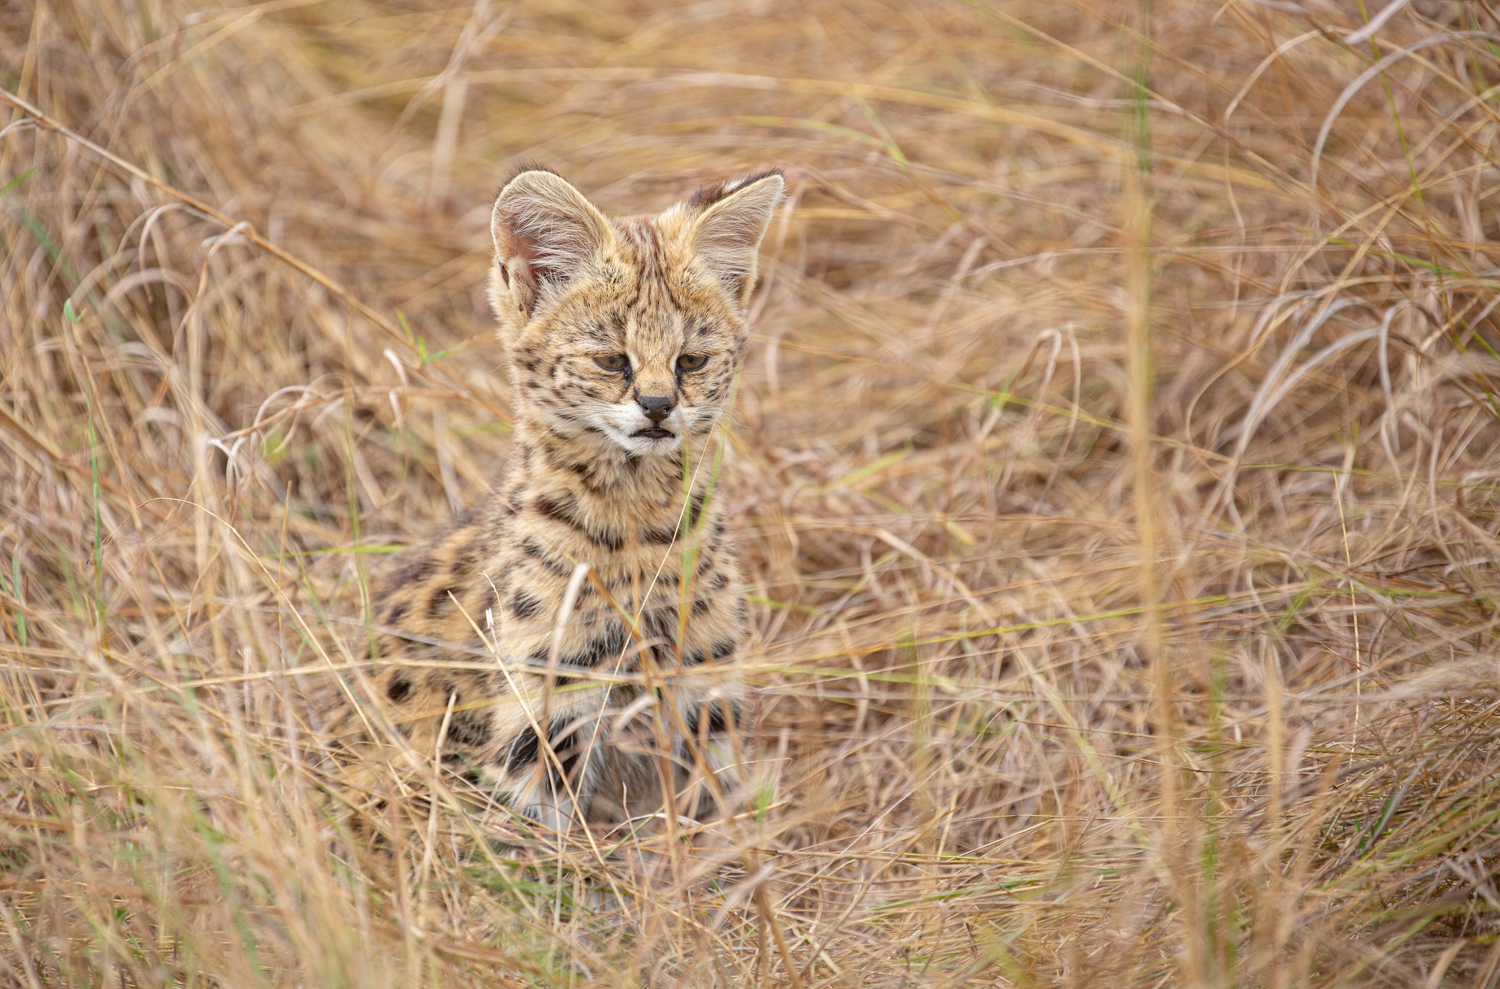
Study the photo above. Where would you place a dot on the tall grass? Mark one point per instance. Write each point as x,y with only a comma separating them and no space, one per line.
1116,461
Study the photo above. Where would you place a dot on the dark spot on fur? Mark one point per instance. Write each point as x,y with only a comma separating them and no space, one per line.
413,572
701,606
717,724
522,751
568,762
440,603
396,613
604,648
719,650
524,605
469,728
527,748
718,581
534,550
710,194
660,624
563,513
551,509
398,689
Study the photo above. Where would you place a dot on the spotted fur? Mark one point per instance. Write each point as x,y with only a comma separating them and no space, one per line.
565,719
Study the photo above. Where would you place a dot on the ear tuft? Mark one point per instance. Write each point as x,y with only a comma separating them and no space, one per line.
733,219
545,231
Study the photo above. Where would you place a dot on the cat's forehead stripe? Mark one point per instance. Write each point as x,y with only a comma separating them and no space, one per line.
641,234
652,301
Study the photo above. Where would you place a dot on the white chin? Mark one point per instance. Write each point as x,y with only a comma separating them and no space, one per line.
645,445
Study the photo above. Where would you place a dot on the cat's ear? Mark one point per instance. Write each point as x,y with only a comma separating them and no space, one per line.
732,219
545,232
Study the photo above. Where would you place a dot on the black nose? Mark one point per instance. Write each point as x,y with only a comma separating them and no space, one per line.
657,407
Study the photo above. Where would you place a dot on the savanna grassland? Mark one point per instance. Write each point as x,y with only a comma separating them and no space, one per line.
1115,460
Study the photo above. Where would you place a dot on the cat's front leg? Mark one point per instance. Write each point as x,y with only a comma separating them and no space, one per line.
553,784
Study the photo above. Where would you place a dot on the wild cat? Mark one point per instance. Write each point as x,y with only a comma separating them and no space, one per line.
591,604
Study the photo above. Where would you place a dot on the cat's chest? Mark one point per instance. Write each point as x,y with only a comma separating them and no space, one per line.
649,593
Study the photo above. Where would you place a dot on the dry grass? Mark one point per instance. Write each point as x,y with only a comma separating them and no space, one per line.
1117,462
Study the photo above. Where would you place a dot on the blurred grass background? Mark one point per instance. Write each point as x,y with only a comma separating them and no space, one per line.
1116,459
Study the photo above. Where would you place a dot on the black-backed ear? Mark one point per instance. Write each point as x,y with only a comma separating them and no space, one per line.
732,220
544,231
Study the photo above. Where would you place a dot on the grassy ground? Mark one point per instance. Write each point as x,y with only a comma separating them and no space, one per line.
1116,460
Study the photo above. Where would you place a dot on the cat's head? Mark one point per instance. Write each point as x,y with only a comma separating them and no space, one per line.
625,331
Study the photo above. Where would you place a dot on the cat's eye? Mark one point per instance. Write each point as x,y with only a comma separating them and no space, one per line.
613,362
692,362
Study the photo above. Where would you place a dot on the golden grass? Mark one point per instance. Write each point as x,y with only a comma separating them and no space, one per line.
1116,460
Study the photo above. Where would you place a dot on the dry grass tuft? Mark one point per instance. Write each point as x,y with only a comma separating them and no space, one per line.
1117,460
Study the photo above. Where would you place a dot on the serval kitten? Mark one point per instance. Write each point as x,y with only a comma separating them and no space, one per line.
571,690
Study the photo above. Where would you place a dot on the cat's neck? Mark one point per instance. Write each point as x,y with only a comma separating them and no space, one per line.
604,470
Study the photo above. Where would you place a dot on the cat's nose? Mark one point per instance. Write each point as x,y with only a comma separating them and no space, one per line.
657,407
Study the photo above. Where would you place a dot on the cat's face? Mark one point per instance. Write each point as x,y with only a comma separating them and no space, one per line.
626,332
643,368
